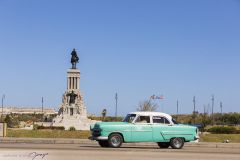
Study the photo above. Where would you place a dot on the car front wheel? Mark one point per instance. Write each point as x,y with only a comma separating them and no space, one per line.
103,143
163,144
115,140
177,143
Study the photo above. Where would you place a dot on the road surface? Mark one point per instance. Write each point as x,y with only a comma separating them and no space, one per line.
141,151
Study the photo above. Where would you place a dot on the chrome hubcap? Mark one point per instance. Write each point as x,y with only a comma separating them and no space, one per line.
115,140
177,142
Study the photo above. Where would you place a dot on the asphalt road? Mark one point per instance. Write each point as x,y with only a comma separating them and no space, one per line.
141,151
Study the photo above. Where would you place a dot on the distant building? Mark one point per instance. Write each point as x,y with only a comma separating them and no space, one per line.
27,110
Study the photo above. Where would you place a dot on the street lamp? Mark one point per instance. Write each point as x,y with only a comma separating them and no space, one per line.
194,109
116,100
3,97
177,110
42,112
212,109
221,106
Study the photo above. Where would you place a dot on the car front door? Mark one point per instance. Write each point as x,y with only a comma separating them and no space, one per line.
160,126
142,130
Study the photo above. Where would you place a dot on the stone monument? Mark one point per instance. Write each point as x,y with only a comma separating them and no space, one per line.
73,112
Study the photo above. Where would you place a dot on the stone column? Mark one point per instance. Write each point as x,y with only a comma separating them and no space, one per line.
74,82
73,79
71,83
78,83
68,83
69,79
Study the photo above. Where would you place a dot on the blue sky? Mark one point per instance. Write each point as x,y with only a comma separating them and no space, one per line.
137,48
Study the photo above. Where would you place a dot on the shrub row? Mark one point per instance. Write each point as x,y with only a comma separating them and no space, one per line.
49,127
223,130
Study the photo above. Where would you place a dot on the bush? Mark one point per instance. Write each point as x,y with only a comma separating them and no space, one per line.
50,127
107,119
35,126
11,121
223,130
72,129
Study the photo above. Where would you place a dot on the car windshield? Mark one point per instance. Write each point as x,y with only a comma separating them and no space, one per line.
129,118
174,121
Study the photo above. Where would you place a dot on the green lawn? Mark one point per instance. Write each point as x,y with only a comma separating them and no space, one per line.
47,133
234,138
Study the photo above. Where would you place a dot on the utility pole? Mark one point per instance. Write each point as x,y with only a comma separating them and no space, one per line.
177,109
3,97
204,115
116,99
194,107
221,112
42,111
221,107
212,109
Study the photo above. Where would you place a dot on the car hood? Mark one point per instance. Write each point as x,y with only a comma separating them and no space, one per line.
187,125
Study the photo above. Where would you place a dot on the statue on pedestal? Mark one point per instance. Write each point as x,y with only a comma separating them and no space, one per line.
73,112
74,59
72,96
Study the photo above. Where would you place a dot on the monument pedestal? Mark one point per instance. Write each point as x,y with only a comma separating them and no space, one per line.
76,121
73,112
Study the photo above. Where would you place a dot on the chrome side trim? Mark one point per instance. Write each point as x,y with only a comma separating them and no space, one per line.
176,134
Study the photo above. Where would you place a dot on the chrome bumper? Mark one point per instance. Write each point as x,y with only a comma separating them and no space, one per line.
98,138
196,137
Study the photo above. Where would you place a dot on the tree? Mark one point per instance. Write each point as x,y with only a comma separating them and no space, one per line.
104,113
11,121
8,120
147,105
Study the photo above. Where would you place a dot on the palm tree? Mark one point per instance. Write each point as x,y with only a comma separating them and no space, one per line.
104,113
147,105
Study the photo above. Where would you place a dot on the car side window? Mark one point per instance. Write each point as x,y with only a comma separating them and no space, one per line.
160,120
143,119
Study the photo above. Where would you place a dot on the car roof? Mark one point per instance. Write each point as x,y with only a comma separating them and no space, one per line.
152,114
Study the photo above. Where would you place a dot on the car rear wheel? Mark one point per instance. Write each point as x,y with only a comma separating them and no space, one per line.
115,140
177,143
103,143
163,144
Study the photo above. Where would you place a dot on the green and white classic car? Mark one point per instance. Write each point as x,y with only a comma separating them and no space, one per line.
144,127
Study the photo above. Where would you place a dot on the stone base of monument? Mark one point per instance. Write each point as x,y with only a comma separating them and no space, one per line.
76,121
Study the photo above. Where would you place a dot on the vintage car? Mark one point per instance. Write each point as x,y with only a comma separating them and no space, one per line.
144,127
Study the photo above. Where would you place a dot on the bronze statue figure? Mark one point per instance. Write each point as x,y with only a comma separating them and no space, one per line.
72,96
74,59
